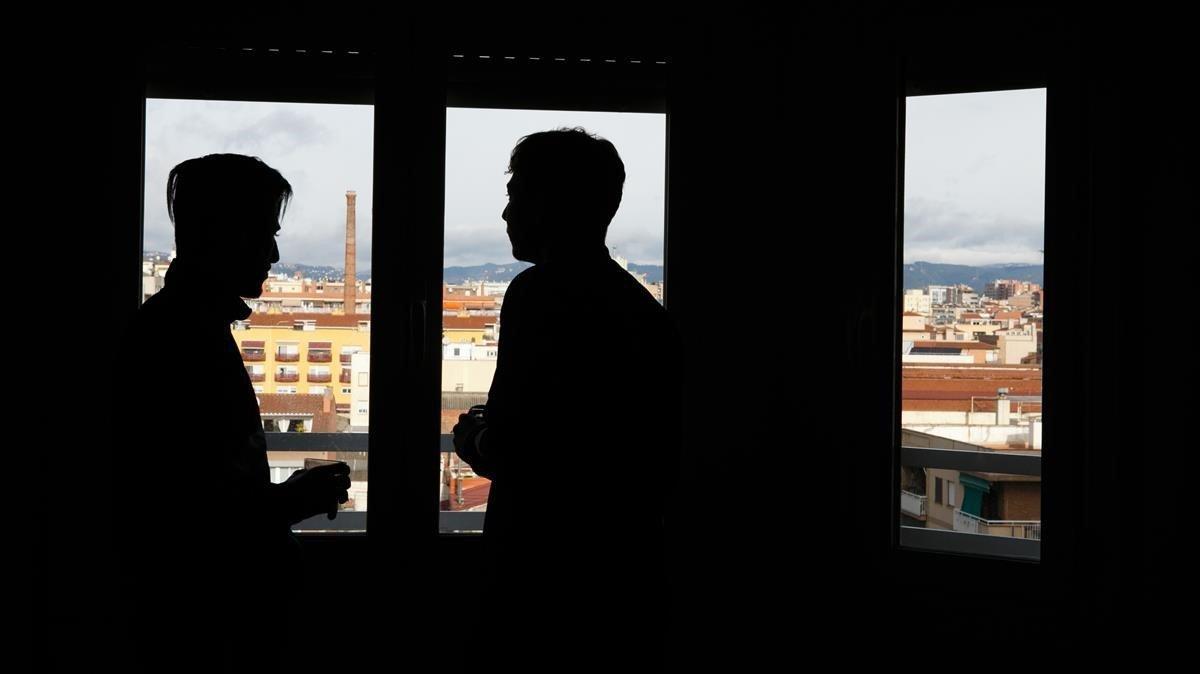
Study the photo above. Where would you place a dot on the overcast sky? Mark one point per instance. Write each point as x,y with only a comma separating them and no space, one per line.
322,150
975,174
325,150
478,144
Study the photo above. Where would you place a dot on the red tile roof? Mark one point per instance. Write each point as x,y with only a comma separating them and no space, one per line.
475,493
295,403
468,322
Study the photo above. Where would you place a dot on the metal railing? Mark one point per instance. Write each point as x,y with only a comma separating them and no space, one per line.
1014,539
973,524
914,505
460,521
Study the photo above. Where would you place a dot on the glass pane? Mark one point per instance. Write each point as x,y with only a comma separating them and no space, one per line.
306,346
973,308
478,262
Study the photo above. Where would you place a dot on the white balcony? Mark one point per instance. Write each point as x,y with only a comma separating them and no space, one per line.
914,505
968,523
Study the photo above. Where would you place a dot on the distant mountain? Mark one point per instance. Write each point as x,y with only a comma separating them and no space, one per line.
921,274
506,272
483,272
653,272
316,271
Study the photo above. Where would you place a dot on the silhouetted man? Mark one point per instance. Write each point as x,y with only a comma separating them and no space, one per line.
208,554
580,432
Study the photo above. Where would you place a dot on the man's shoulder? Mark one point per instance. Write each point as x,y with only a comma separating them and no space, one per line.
528,278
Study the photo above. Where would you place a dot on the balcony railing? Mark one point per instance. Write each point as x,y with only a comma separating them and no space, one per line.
1010,539
320,357
257,376
345,357
344,378
319,378
914,505
350,521
287,357
971,524
254,356
287,378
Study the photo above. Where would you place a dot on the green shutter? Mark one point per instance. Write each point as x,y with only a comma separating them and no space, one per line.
973,490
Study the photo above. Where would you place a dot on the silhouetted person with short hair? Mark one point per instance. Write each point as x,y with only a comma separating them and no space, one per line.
580,432
208,556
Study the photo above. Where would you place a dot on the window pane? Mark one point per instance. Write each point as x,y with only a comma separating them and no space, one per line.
478,261
972,314
309,332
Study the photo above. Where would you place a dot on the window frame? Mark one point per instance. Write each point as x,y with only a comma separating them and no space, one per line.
309,74
984,62
552,82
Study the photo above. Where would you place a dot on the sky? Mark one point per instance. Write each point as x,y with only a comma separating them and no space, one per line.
478,144
974,174
974,177
322,150
325,150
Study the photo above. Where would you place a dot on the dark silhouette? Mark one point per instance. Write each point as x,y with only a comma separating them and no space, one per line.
579,436
209,560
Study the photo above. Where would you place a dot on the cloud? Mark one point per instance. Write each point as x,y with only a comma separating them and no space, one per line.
938,231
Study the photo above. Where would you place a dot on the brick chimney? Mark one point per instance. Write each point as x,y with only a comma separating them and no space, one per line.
350,283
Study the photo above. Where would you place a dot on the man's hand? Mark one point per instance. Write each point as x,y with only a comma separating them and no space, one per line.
465,431
317,490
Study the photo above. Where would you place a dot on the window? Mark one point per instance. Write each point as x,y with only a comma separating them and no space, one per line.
970,416
478,263
326,153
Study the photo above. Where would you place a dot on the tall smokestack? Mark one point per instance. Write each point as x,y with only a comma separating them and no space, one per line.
351,280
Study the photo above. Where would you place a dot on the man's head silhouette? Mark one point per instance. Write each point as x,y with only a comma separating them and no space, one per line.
565,188
226,209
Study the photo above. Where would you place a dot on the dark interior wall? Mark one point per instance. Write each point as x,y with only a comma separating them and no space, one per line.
783,152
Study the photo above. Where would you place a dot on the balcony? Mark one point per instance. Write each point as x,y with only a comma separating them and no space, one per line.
320,357
968,523
344,378
287,377
915,506
319,378
254,355
257,376
287,357
345,358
